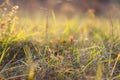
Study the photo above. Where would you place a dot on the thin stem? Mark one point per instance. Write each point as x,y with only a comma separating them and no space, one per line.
46,29
112,32
113,69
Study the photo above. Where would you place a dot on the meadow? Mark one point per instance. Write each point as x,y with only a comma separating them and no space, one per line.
50,47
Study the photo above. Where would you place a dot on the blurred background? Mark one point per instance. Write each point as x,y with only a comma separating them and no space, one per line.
65,7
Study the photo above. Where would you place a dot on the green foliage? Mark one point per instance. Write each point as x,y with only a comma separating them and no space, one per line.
79,48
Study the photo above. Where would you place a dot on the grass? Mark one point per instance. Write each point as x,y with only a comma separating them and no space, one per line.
57,48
